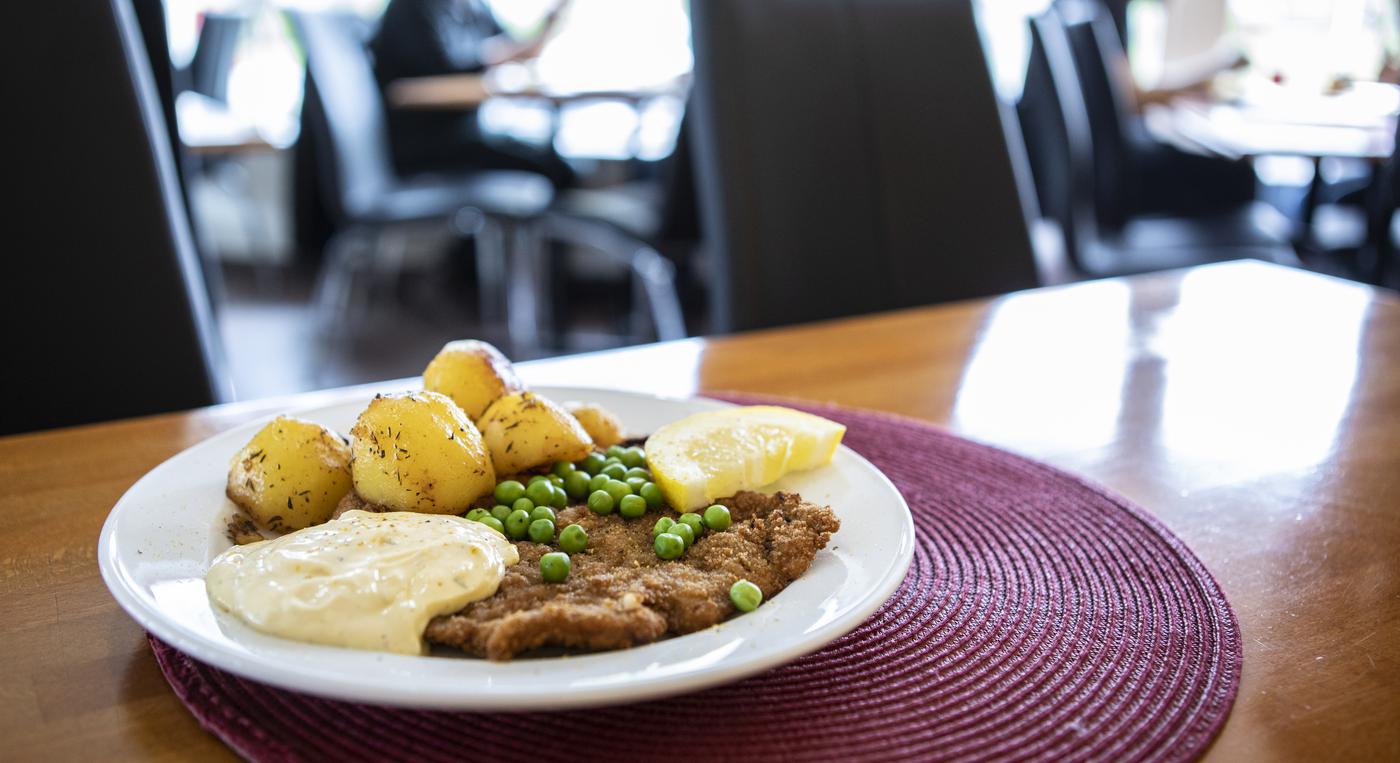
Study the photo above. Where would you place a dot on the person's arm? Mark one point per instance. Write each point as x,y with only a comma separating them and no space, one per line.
1193,77
501,48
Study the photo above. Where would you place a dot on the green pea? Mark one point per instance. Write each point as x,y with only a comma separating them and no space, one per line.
518,524
576,485
615,451
534,479
632,506
638,472
669,546
509,491
610,461
563,469
501,512
543,512
652,494
633,457
573,539
476,514
635,483
560,498
717,517
541,530
745,595
591,463
600,502
494,524
554,567
555,480
617,489
540,492
522,504
693,521
598,481
615,471
662,525
683,530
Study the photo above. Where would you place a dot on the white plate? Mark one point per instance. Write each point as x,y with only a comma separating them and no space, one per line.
162,535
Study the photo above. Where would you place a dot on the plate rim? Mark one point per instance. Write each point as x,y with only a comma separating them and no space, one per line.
343,687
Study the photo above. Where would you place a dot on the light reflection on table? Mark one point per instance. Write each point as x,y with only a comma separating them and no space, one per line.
1262,388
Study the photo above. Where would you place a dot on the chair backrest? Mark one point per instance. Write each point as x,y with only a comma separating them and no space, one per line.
213,54
344,113
1055,126
1101,67
106,313
852,156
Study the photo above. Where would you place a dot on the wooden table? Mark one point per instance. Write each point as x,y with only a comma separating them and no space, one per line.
1255,409
1357,124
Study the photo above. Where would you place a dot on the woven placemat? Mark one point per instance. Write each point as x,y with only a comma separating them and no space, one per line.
1043,618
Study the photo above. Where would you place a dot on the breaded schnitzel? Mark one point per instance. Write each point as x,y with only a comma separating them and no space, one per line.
621,594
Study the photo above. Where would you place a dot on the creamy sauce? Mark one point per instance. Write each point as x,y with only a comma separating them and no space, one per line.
365,580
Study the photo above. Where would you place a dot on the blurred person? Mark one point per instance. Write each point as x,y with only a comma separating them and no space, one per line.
423,38
1167,179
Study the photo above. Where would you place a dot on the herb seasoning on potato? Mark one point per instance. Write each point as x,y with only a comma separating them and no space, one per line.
419,452
290,475
524,430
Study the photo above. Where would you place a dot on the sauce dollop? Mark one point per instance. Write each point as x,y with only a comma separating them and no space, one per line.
364,580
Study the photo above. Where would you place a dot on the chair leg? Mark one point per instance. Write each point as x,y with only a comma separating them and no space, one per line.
331,294
658,279
489,259
654,277
1384,249
390,253
522,292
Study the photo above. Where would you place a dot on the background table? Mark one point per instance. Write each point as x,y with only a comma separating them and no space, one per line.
1263,119
1253,408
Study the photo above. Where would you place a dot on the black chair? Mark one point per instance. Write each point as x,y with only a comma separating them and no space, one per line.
106,313
1365,226
1079,175
371,207
1139,173
852,156
508,212
647,229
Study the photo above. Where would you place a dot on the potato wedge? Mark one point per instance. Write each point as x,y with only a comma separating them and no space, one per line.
599,422
474,374
290,475
419,452
524,430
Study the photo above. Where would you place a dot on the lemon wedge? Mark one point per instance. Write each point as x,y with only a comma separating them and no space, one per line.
718,453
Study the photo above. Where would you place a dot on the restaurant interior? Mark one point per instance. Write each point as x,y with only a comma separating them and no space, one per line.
353,187
1149,242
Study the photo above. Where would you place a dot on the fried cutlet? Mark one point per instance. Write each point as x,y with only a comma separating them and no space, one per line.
621,594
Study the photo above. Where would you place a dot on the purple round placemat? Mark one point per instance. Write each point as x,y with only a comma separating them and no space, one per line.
1043,618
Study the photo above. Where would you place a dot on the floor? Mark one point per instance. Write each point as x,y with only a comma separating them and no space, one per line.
276,345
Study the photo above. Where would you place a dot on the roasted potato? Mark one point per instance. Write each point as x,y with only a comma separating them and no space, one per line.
418,451
290,475
598,422
474,374
525,430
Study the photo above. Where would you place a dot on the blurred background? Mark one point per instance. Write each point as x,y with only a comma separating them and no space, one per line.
363,180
